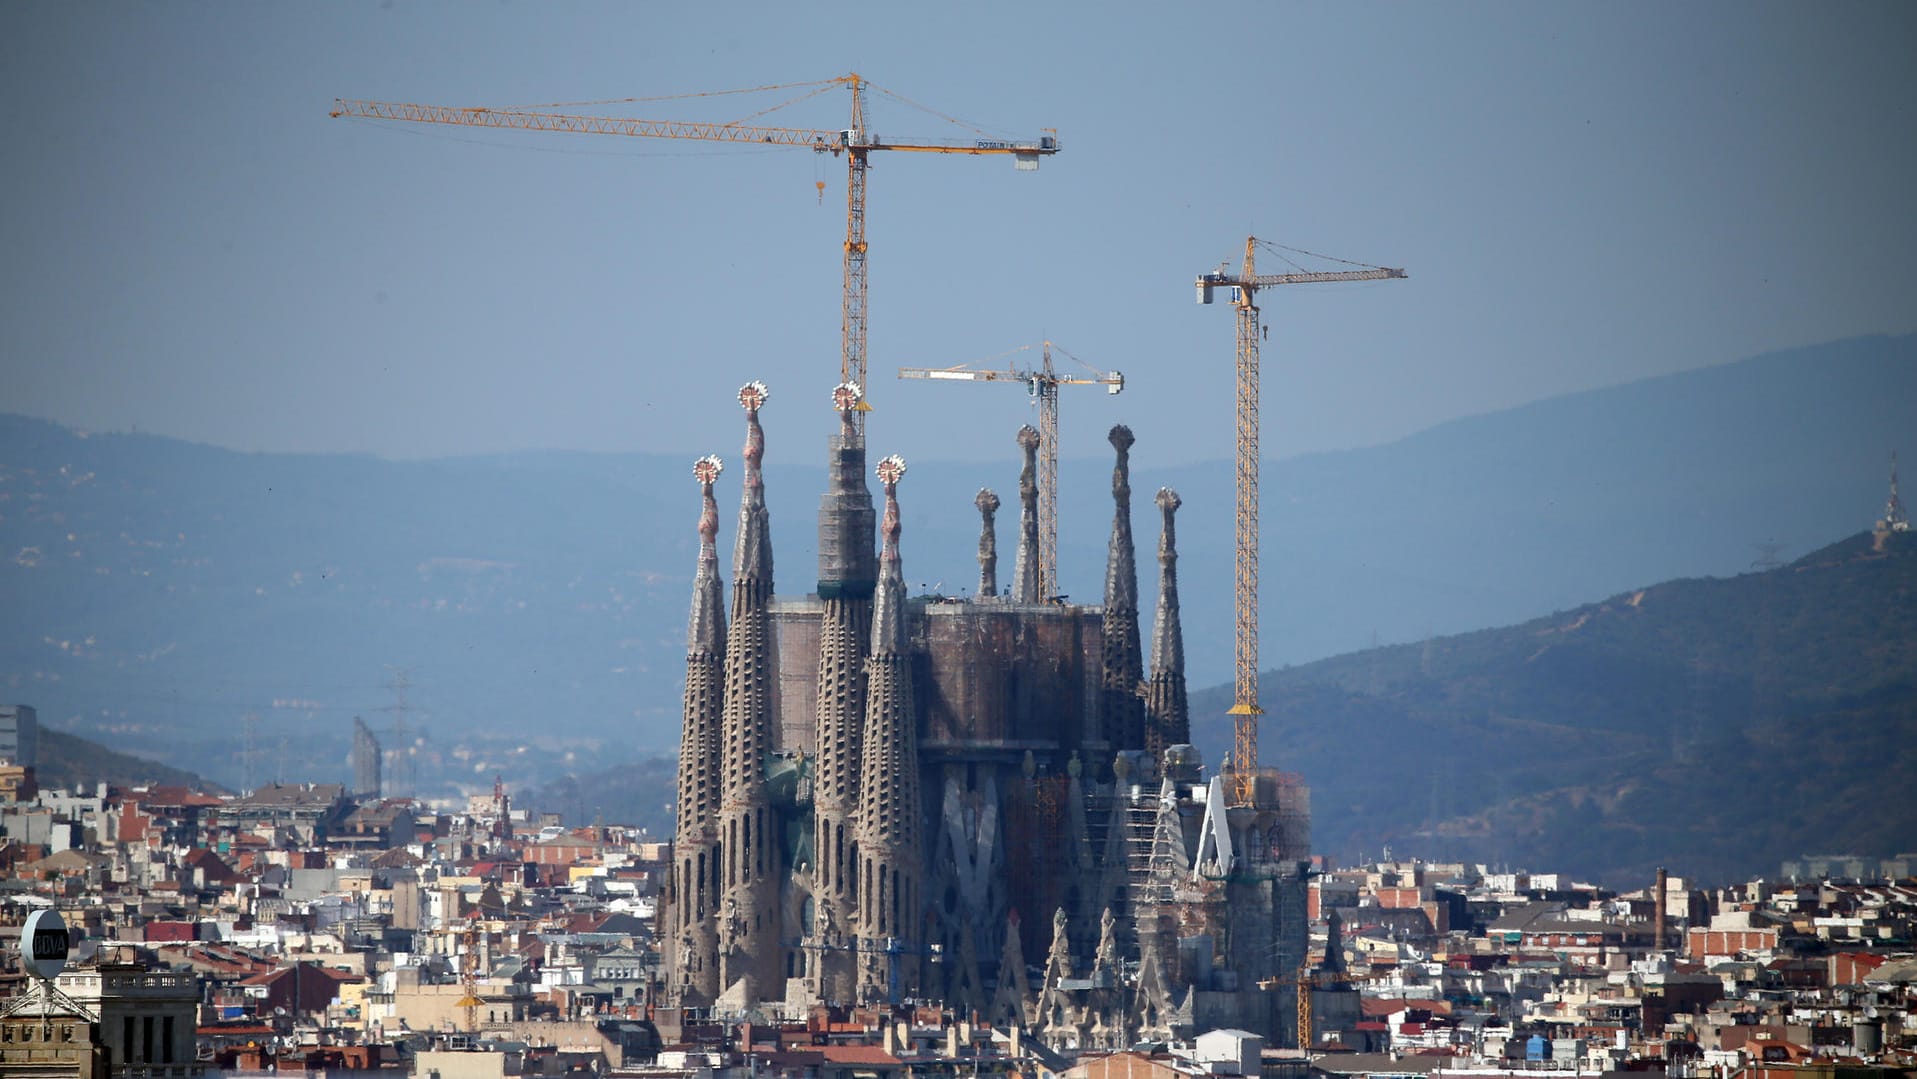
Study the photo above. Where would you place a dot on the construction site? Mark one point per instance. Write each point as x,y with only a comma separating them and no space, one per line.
989,802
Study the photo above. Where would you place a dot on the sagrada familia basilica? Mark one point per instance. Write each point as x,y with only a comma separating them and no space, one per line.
884,797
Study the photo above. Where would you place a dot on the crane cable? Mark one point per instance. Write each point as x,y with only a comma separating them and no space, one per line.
823,84
1278,249
814,89
955,121
1075,359
969,364
387,124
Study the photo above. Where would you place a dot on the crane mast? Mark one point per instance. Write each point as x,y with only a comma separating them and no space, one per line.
852,305
1245,710
1043,383
855,142
1045,390
469,974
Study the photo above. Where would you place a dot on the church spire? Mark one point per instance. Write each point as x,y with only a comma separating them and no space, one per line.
752,551
1123,667
691,945
747,851
846,579
987,503
845,510
891,868
1025,569
706,630
1121,570
1167,720
888,615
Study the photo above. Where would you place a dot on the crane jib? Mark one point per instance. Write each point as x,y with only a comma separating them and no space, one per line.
573,123
854,140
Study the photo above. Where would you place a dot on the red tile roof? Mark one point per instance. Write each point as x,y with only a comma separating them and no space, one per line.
858,1054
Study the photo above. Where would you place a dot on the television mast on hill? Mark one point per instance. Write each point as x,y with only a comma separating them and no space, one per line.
1894,519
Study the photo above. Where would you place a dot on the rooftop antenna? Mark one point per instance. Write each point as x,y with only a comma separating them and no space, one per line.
249,749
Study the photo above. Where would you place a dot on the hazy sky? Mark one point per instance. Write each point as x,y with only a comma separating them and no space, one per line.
1583,194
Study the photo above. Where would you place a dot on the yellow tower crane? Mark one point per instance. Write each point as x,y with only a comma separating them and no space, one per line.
469,974
1043,383
1306,983
1244,291
855,142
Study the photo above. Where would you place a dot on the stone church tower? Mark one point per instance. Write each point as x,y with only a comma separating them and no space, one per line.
890,861
692,940
846,581
749,929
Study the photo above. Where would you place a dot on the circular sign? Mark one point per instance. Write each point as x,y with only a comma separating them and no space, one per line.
43,944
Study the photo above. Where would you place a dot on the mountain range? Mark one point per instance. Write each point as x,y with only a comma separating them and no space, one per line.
524,614
1719,726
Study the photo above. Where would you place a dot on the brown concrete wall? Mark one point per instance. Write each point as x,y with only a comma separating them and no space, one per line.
992,676
987,676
